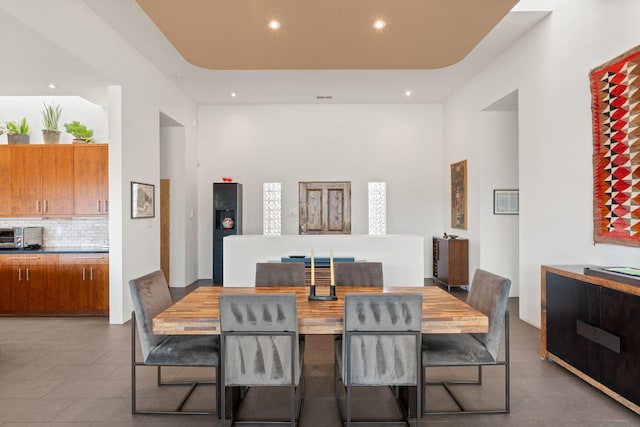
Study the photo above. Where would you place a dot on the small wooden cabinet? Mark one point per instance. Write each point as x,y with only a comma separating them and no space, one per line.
54,285
91,179
5,181
25,281
83,283
26,180
451,261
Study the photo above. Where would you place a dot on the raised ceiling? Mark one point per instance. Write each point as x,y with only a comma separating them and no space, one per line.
325,34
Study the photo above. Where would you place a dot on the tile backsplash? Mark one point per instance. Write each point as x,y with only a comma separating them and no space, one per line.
66,232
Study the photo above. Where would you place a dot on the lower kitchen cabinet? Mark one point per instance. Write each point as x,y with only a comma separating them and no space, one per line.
54,284
25,281
83,284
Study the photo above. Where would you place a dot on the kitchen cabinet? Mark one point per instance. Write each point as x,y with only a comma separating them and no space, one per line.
91,179
451,261
41,180
83,284
26,180
5,180
589,327
25,282
54,180
57,180
69,284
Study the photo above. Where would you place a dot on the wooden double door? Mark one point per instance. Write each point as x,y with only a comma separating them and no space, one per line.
325,207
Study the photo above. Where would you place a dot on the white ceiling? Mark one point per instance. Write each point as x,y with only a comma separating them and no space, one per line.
252,86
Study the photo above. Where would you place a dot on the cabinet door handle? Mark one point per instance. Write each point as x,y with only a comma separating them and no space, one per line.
99,205
19,275
91,274
83,275
27,274
598,336
46,206
106,206
37,205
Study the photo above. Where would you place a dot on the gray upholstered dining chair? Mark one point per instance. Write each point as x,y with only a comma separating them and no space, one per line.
489,294
150,296
260,346
358,273
280,274
380,347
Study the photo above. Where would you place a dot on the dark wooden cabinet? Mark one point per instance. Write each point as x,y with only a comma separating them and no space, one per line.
227,221
451,261
589,326
5,181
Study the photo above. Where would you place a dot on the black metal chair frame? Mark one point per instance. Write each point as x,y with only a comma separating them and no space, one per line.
477,381
295,409
192,384
404,409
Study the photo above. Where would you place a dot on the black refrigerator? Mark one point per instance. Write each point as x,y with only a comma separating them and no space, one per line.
227,221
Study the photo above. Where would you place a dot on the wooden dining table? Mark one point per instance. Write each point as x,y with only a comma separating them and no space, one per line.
197,313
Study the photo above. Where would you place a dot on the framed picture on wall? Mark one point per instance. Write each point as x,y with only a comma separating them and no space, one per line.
142,200
459,195
506,202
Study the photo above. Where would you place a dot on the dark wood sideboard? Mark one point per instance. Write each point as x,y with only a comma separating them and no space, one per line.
451,261
589,326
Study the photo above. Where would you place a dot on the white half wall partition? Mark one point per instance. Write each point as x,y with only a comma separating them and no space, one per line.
402,255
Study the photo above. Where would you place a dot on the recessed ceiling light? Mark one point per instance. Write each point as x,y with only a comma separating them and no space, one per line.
408,93
379,24
273,24
233,94
52,86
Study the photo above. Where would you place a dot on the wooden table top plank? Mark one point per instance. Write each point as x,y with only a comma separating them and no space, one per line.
197,313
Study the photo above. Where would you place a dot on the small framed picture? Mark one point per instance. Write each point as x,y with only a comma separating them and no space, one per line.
142,200
506,202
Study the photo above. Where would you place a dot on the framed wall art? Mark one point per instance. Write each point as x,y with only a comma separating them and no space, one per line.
142,200
616,164
506,202
459,195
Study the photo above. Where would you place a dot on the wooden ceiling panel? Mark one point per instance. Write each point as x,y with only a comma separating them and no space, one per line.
325,34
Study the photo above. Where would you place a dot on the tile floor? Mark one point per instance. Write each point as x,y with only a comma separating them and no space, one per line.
75,372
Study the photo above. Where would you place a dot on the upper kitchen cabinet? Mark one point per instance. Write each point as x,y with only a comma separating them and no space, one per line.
26,180
41,180
91,179
57,180
5,181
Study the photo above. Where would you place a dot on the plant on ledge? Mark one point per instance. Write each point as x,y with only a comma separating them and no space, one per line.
79,131
50,117
20,128
18,132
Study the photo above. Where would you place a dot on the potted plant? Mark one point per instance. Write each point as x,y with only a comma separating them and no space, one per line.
50,117
80,132
18,132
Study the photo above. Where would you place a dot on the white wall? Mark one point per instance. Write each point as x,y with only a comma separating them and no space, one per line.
399,144
137,93
549,67
498,243
172,162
